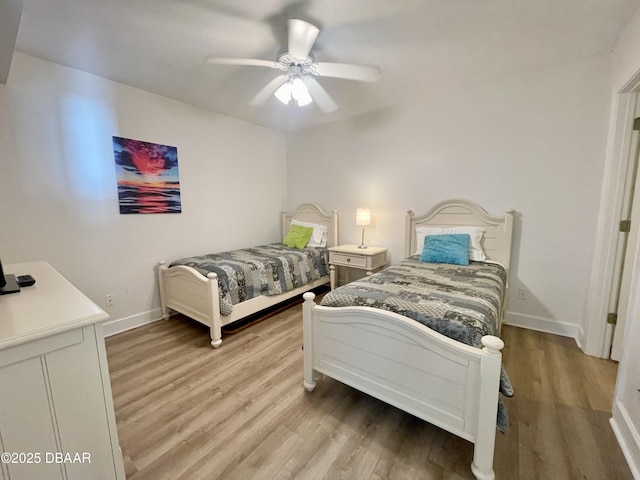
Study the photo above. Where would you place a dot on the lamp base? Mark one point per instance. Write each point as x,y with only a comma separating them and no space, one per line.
362,245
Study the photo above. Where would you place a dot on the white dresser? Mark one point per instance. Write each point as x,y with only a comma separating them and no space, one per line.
56,410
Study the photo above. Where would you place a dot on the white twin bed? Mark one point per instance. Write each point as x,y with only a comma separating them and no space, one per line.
396,359
183,289
406,364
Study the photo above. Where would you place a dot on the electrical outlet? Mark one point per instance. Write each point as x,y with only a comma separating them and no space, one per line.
523,294
110,300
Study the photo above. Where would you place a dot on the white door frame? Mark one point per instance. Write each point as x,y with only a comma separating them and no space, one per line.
611,203
625,290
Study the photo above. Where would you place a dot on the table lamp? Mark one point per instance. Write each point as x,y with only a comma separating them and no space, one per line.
363,218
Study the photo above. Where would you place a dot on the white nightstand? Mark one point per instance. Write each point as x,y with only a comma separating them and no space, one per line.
351,256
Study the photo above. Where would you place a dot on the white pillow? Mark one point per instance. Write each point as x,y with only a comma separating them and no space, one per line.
319,235
475,249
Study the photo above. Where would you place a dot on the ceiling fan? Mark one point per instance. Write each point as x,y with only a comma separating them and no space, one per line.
297,81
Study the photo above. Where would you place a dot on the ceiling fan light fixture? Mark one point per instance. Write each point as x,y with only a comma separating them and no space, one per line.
284,93
295,89
300,92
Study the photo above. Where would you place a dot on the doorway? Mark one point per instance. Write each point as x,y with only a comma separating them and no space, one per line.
626,252
606,282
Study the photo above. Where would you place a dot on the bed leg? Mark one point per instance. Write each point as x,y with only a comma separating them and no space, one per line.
216,334
483,475
490,364
332,276
162,268
307,329
216,324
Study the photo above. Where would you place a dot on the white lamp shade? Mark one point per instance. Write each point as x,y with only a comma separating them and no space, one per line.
295,89
284,93
363,216
300,92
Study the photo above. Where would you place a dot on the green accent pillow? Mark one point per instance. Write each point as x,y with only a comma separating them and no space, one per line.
298,236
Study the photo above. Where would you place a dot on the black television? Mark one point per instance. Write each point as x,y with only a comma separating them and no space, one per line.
8,283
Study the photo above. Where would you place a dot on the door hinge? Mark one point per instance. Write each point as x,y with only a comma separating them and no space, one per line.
612,318
625,226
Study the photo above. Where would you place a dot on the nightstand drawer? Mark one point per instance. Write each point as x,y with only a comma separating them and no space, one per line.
348,259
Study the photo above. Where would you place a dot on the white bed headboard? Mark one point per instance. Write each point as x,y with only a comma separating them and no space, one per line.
498,231
310,212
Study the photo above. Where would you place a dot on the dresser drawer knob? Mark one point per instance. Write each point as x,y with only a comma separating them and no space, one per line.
348,259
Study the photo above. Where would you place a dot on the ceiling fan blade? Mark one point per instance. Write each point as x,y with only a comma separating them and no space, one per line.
302,36
268,90
361,73
251,62
319,95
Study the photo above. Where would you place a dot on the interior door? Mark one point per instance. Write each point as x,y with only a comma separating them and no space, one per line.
628,245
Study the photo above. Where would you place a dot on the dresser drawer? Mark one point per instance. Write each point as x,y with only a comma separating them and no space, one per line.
348,259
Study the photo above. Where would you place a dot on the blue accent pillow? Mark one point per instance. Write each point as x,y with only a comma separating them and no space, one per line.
447,248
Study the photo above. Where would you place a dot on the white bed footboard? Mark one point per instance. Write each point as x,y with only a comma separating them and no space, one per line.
407,365
185,290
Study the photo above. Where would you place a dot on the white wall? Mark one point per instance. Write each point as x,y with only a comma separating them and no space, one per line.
626,55
534,142
626,407
58,190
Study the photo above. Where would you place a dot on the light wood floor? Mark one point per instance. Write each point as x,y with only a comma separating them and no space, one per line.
186,412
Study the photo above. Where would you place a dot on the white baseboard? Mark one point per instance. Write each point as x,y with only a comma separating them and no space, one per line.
542,324
580,338
511,318
627,437
123,324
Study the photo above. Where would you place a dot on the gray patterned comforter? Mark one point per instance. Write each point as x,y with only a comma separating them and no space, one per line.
264,270
461,302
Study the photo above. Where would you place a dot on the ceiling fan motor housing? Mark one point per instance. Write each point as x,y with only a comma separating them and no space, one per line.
296,66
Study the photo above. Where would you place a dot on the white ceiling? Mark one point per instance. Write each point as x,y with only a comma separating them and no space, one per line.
160,45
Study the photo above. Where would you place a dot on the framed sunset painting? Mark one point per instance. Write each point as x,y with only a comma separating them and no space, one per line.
147,175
